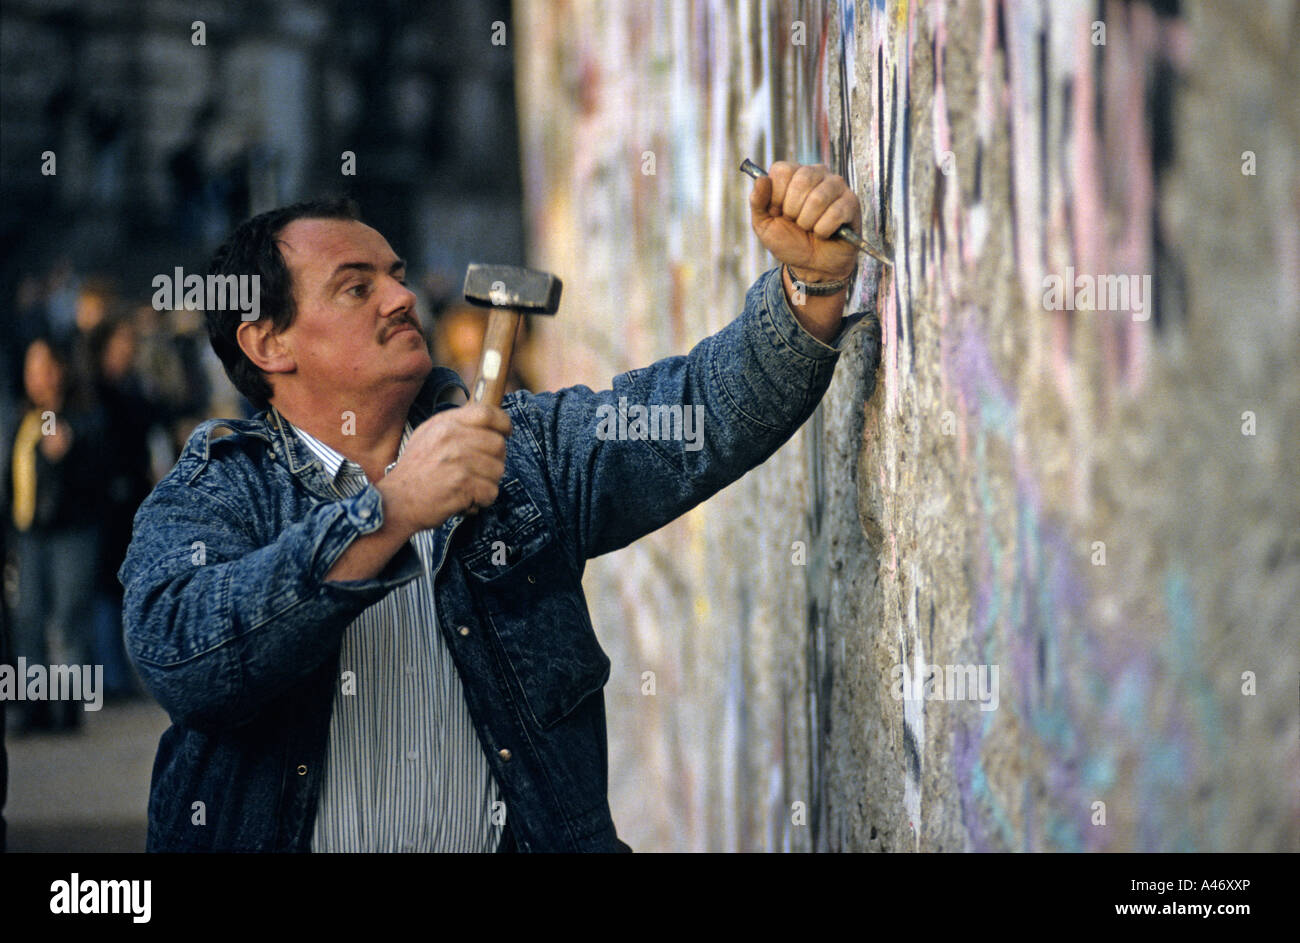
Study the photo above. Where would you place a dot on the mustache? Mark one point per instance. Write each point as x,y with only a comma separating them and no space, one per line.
404,321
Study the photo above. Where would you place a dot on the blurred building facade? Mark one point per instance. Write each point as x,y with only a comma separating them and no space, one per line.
169,122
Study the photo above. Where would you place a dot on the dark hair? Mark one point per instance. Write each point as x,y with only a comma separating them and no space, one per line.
252,250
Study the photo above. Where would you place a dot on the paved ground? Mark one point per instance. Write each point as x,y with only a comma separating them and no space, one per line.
86,791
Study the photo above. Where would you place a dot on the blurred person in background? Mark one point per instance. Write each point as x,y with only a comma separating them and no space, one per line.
92,307
54,495
170,368
129,418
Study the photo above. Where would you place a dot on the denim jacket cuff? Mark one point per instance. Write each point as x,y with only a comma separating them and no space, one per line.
362,514
782,320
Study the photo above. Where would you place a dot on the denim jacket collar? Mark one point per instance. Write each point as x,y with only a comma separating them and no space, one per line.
287,449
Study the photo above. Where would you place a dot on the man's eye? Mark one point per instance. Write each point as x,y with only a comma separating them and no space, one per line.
359,290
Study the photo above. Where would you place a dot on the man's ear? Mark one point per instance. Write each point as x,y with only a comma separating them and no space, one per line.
262,344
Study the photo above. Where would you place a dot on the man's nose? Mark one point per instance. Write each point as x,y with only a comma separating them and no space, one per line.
401,299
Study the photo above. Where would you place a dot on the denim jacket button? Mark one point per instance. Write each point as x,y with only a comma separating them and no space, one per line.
302,770
464,630
531,578
504,754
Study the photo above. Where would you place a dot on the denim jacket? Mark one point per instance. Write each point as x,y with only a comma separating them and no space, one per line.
235,631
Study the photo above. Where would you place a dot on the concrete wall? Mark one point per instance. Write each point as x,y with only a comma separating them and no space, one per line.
1100,503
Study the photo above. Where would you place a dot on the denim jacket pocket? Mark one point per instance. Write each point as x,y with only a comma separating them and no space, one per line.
533,600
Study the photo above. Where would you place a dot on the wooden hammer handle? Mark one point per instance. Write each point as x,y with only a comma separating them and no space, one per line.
494,365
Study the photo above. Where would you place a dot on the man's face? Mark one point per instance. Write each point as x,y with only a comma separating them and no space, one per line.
355,329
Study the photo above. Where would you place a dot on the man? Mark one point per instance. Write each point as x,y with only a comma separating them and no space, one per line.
363,610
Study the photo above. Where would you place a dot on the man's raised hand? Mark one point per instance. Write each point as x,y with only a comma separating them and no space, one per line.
796,209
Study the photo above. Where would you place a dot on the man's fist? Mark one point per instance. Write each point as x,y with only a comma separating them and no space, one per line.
452,464
796,209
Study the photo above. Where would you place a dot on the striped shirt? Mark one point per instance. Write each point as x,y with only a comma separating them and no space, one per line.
403,767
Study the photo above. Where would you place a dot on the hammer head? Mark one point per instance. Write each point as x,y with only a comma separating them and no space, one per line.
526,290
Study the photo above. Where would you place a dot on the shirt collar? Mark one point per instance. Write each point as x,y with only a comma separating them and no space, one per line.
334,461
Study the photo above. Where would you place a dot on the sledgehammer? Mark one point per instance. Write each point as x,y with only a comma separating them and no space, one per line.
510,292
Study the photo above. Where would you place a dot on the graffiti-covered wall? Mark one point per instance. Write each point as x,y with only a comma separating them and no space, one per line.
1032,583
